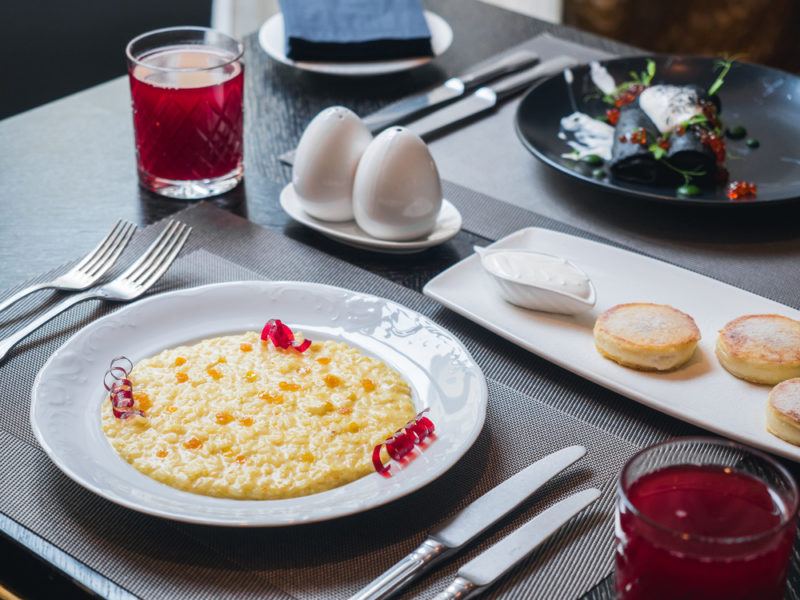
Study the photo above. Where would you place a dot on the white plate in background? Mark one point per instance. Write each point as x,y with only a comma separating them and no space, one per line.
702,392
271,39
68,392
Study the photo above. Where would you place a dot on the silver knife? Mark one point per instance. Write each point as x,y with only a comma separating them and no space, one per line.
470,522
452,88
486,98
449,90
489,566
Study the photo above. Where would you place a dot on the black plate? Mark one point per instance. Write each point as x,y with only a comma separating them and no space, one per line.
765,101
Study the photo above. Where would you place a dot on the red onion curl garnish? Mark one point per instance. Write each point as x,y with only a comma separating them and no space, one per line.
282,336
120,388
403,440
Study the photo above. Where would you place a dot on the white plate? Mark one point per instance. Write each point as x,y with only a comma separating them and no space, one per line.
448,224
270,36
702,392
67,393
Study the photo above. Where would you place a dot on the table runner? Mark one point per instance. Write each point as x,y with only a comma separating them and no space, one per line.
534,407
155,558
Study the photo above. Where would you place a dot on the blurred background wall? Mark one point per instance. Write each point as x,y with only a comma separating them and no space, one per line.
762,31
51,48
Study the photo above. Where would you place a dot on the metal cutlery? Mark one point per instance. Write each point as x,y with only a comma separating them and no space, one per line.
487,98
134,282
89,270
453,88
402,110
470,522
489,566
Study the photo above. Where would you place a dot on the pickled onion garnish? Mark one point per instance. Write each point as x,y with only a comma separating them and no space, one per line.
281,336
120,388
403,440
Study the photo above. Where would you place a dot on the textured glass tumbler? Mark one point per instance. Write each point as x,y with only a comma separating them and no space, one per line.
187,91
704,518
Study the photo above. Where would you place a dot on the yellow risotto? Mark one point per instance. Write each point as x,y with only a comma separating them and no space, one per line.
236,417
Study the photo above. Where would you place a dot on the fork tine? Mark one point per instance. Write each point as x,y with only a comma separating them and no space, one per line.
151,250
108,256
157,253
159,259
102,245
91,259
166,263
112,254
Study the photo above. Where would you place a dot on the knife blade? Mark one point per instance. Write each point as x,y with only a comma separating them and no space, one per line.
486,99
470,522
489,566
451,89
403,109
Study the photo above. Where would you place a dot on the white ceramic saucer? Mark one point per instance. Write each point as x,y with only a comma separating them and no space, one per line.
448,224
271,39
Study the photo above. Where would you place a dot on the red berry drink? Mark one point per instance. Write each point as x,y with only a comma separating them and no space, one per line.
187,98
716,529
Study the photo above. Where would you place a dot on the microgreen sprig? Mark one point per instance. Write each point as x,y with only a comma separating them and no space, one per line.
644,78
687,174
724,65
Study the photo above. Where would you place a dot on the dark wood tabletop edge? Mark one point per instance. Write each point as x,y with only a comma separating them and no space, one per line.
77,571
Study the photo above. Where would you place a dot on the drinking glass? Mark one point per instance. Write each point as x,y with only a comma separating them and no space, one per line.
187,87
703,518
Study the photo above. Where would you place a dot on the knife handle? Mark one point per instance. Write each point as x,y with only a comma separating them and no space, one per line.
458,590
516,83
405,571
508,64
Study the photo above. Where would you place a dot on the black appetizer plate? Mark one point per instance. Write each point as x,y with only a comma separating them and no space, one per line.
765,101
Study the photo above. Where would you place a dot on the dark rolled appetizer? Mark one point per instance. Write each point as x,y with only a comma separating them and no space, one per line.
631,158
656,134
659,137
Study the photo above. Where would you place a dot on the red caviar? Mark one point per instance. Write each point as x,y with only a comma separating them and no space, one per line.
629,95
715,143
741,190
403,440
612,114
639,136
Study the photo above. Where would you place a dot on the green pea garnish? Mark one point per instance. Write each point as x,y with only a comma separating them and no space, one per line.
599,173
753,143
736,133
592,160
688,189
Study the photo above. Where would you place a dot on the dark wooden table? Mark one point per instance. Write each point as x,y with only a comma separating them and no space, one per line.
68,172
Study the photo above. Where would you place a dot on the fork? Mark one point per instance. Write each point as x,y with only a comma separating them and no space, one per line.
91,268
134,282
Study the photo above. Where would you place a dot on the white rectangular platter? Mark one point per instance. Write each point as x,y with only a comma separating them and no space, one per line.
701,392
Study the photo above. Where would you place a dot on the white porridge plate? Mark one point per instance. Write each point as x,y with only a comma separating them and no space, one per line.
68,392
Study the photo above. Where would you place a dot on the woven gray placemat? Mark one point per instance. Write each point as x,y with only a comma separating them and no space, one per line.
156,558
535,408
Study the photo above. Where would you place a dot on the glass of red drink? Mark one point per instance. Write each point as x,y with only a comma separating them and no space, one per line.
704,518
187,89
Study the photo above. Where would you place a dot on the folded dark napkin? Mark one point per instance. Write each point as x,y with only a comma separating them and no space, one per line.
355,30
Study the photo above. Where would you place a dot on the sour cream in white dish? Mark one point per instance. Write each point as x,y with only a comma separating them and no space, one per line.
539,281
